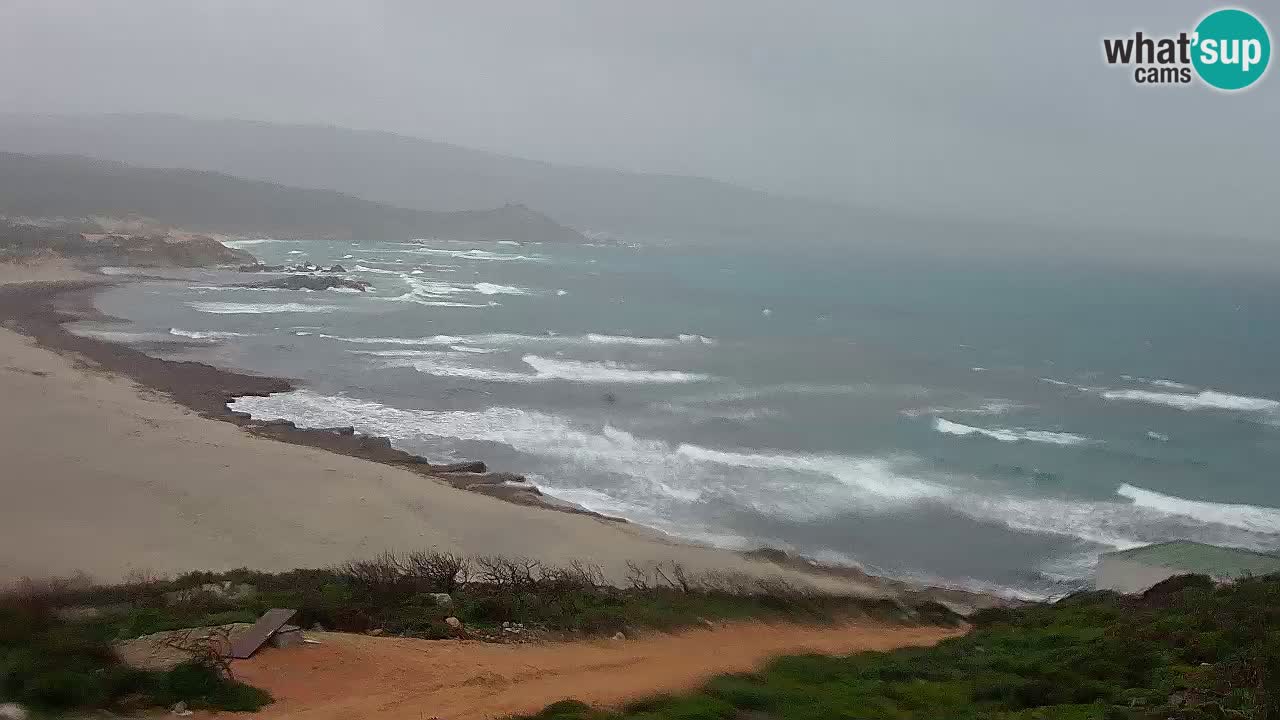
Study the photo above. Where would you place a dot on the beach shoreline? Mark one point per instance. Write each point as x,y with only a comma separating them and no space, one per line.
41,311
38,309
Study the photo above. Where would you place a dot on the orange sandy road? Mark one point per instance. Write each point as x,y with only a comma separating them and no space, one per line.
352,677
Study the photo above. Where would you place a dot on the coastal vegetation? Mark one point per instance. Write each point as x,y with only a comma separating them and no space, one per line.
57,638
1185,650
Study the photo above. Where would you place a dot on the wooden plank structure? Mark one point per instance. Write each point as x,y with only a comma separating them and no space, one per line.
272,620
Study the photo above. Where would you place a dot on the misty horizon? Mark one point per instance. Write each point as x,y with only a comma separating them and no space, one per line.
935,111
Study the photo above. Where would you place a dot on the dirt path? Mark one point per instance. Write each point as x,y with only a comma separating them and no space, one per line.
354,676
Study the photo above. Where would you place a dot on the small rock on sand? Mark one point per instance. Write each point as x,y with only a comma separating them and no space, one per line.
619,636
453,622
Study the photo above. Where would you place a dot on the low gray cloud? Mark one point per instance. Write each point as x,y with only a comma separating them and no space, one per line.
993,110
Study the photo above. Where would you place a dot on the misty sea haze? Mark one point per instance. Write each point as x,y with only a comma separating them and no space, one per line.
985,424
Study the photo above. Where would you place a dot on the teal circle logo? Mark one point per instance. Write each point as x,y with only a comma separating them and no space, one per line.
1231,49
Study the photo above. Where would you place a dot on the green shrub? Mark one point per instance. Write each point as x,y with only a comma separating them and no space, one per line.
1185,652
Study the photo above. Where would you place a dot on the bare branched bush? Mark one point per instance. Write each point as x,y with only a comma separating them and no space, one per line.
674,576
208,647
46,593
513,574
381,575
576,577
638,576
436,571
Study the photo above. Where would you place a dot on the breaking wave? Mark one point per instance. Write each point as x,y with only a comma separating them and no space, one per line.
231,308
604,372
485,288
247,243
1253,518
1203,400
663,478
437,293
1009,434
519,339
544,369
475,254
433,340
206,334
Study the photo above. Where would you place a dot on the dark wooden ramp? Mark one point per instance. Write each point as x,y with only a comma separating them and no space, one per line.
246,645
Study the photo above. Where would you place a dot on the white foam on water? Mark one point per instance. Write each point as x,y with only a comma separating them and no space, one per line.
856,390
994,406
124,336
375,271
246,243
1009,435
1157,436
873,476
437,293
230,308
207,334
604,372
1173,385
416,354
1254,518
506,340
544,370
695,339
452,304
1203,400
485,288
602,339
433,340
474,254
662,478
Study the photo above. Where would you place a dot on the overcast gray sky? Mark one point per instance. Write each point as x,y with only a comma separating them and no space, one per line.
991,109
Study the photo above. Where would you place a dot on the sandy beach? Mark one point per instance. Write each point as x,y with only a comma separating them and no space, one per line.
108,478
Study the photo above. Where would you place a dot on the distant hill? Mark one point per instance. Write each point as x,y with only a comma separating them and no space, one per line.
72,186
425,175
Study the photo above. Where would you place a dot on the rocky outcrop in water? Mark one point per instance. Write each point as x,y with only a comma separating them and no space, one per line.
309,282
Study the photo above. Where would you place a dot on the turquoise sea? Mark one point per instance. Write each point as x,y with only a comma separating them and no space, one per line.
992,424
